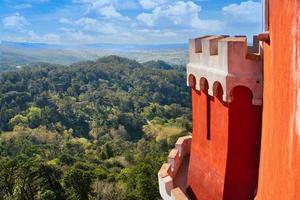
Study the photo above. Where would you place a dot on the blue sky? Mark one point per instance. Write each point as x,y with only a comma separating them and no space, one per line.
125,21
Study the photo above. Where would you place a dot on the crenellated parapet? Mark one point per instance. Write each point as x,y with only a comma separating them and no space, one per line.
227,61
171,175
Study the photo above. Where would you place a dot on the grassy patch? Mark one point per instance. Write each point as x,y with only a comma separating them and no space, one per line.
162,132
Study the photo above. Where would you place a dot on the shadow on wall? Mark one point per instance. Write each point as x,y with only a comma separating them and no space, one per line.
242,165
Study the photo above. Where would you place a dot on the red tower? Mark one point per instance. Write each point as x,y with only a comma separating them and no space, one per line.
226,80
227,150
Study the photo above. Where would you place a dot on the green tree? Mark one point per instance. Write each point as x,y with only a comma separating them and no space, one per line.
48,195
153,110
34,116
18,120
8,178
141,182
78,130
48,181
78,183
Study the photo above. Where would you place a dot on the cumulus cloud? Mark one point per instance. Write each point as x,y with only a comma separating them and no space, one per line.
110,12
148,4
248,11
15,22
148,19
105,8
179,15
93,25
144,21
87,22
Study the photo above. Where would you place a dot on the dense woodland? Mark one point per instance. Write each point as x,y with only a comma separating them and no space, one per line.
92,130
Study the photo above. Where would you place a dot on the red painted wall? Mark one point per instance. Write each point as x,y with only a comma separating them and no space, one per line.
208,157
279,177
224,166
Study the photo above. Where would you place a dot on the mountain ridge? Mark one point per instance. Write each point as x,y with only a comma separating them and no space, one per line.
22,53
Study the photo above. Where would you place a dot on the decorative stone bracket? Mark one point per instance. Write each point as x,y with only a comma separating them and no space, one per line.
168,171
227,61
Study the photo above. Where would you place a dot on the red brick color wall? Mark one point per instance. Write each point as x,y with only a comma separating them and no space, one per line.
279,177
224,161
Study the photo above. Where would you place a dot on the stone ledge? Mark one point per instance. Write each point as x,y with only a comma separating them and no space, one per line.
183,145
164,170
169,170
178,194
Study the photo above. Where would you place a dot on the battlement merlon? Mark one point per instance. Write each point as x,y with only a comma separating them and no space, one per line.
228,61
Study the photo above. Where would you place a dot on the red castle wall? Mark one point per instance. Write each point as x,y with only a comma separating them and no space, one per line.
279,177
225,164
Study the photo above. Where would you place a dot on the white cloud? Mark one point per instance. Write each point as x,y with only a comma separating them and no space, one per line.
46,38
22,6
110,12
118,4
65,21
15,22
147,19
87,22
157,33
152,21
79,37
148,4
127,5
65,29
179,15
39,1
248,11
105,8
51,38
93,25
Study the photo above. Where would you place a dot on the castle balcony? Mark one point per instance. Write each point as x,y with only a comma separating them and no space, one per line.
172,176
228,61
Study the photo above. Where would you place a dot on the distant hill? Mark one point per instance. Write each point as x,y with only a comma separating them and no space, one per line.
21,53
106,46
159,64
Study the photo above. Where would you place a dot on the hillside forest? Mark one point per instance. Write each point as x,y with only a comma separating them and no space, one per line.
93,130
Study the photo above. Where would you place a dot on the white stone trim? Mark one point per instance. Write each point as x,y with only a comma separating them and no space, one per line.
226,60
